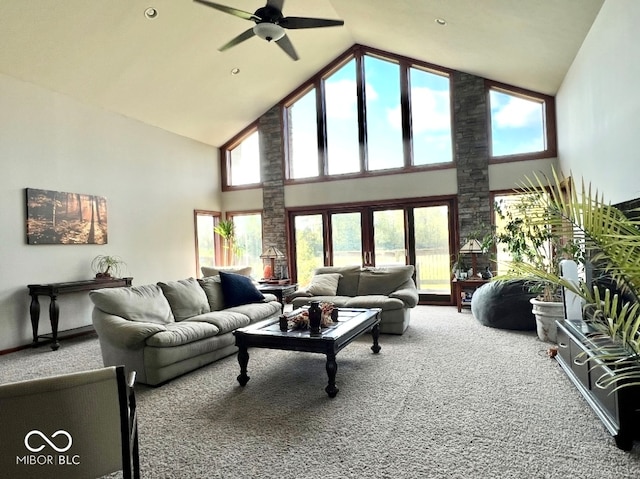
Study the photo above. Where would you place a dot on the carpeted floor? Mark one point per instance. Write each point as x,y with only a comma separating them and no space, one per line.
448,399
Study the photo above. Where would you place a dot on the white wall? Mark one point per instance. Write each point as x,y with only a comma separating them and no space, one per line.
598,105
153,180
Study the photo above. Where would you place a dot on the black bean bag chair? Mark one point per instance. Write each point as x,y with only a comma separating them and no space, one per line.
504,305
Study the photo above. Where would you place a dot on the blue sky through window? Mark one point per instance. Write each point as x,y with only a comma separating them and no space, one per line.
517,124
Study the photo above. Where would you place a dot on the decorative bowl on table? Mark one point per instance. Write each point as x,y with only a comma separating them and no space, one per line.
299,319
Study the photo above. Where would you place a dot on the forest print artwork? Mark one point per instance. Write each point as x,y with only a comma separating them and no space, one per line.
55,217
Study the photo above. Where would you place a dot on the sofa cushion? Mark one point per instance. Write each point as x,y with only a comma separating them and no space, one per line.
375,301
213,290
215,270
383,280
182,333
144,303
325,284
338,301
225,320
238,289
258,311
186,298
348,284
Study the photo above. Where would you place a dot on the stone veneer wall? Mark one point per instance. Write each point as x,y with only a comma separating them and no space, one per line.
470,130
272,170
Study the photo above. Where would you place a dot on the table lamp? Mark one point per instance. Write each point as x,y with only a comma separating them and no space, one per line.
271,253
473,246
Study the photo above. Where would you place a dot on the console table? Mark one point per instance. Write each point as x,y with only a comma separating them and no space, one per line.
53,290
616,408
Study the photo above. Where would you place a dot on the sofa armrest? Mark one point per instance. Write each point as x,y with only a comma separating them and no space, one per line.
407,293
122,332
300,293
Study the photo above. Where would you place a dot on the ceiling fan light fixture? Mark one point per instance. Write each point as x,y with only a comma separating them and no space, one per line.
269,31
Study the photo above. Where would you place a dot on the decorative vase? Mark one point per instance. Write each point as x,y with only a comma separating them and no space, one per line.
546,313
315,317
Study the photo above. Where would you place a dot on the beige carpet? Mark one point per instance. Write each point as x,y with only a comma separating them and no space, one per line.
448,399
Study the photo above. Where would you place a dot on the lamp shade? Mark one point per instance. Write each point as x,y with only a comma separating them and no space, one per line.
272,253
268,31
472,246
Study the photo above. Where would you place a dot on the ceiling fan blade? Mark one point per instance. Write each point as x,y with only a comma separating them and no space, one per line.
239,39
230,10
303,22
276,4
287,46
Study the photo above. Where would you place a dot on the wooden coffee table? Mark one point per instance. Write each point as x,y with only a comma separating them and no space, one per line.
267,334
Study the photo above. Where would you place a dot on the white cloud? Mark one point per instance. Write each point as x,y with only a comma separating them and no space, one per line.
517,113
429,110
341,99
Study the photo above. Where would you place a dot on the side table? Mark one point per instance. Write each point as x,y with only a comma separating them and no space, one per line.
280,291
460,286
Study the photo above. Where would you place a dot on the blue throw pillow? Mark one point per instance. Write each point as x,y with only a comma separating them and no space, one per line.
238,290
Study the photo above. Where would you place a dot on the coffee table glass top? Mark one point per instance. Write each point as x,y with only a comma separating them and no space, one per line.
271,327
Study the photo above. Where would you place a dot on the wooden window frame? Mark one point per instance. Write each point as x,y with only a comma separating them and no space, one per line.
549,127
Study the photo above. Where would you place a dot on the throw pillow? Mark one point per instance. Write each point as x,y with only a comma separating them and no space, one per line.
324,284
238,290
185,297
215,270
213,289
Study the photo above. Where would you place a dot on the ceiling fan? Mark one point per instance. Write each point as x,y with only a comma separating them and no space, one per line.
270,24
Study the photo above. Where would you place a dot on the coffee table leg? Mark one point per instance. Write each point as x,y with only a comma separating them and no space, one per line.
243,360
375,332
332,369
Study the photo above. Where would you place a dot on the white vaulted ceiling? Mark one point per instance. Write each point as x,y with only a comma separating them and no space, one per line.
168,72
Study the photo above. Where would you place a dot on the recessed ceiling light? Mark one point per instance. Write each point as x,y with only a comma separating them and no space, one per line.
235,71
151,13
441,21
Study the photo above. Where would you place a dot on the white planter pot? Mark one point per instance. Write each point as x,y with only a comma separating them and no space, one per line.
546,314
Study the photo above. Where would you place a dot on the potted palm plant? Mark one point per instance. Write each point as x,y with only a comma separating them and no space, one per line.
226,230
610,241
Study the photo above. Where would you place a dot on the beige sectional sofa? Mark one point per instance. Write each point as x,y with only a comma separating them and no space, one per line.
164,330
390,288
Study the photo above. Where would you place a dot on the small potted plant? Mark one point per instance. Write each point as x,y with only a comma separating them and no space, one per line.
106,267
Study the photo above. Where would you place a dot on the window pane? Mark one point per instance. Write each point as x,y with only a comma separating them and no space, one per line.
245,162
430,117
433,273
384,117
303,137
517,124
248,242
346,234
206,240
388,237
309,246
342,121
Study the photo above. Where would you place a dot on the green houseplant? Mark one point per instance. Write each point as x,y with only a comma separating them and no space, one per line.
532,240
105,266
610,241
226,230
